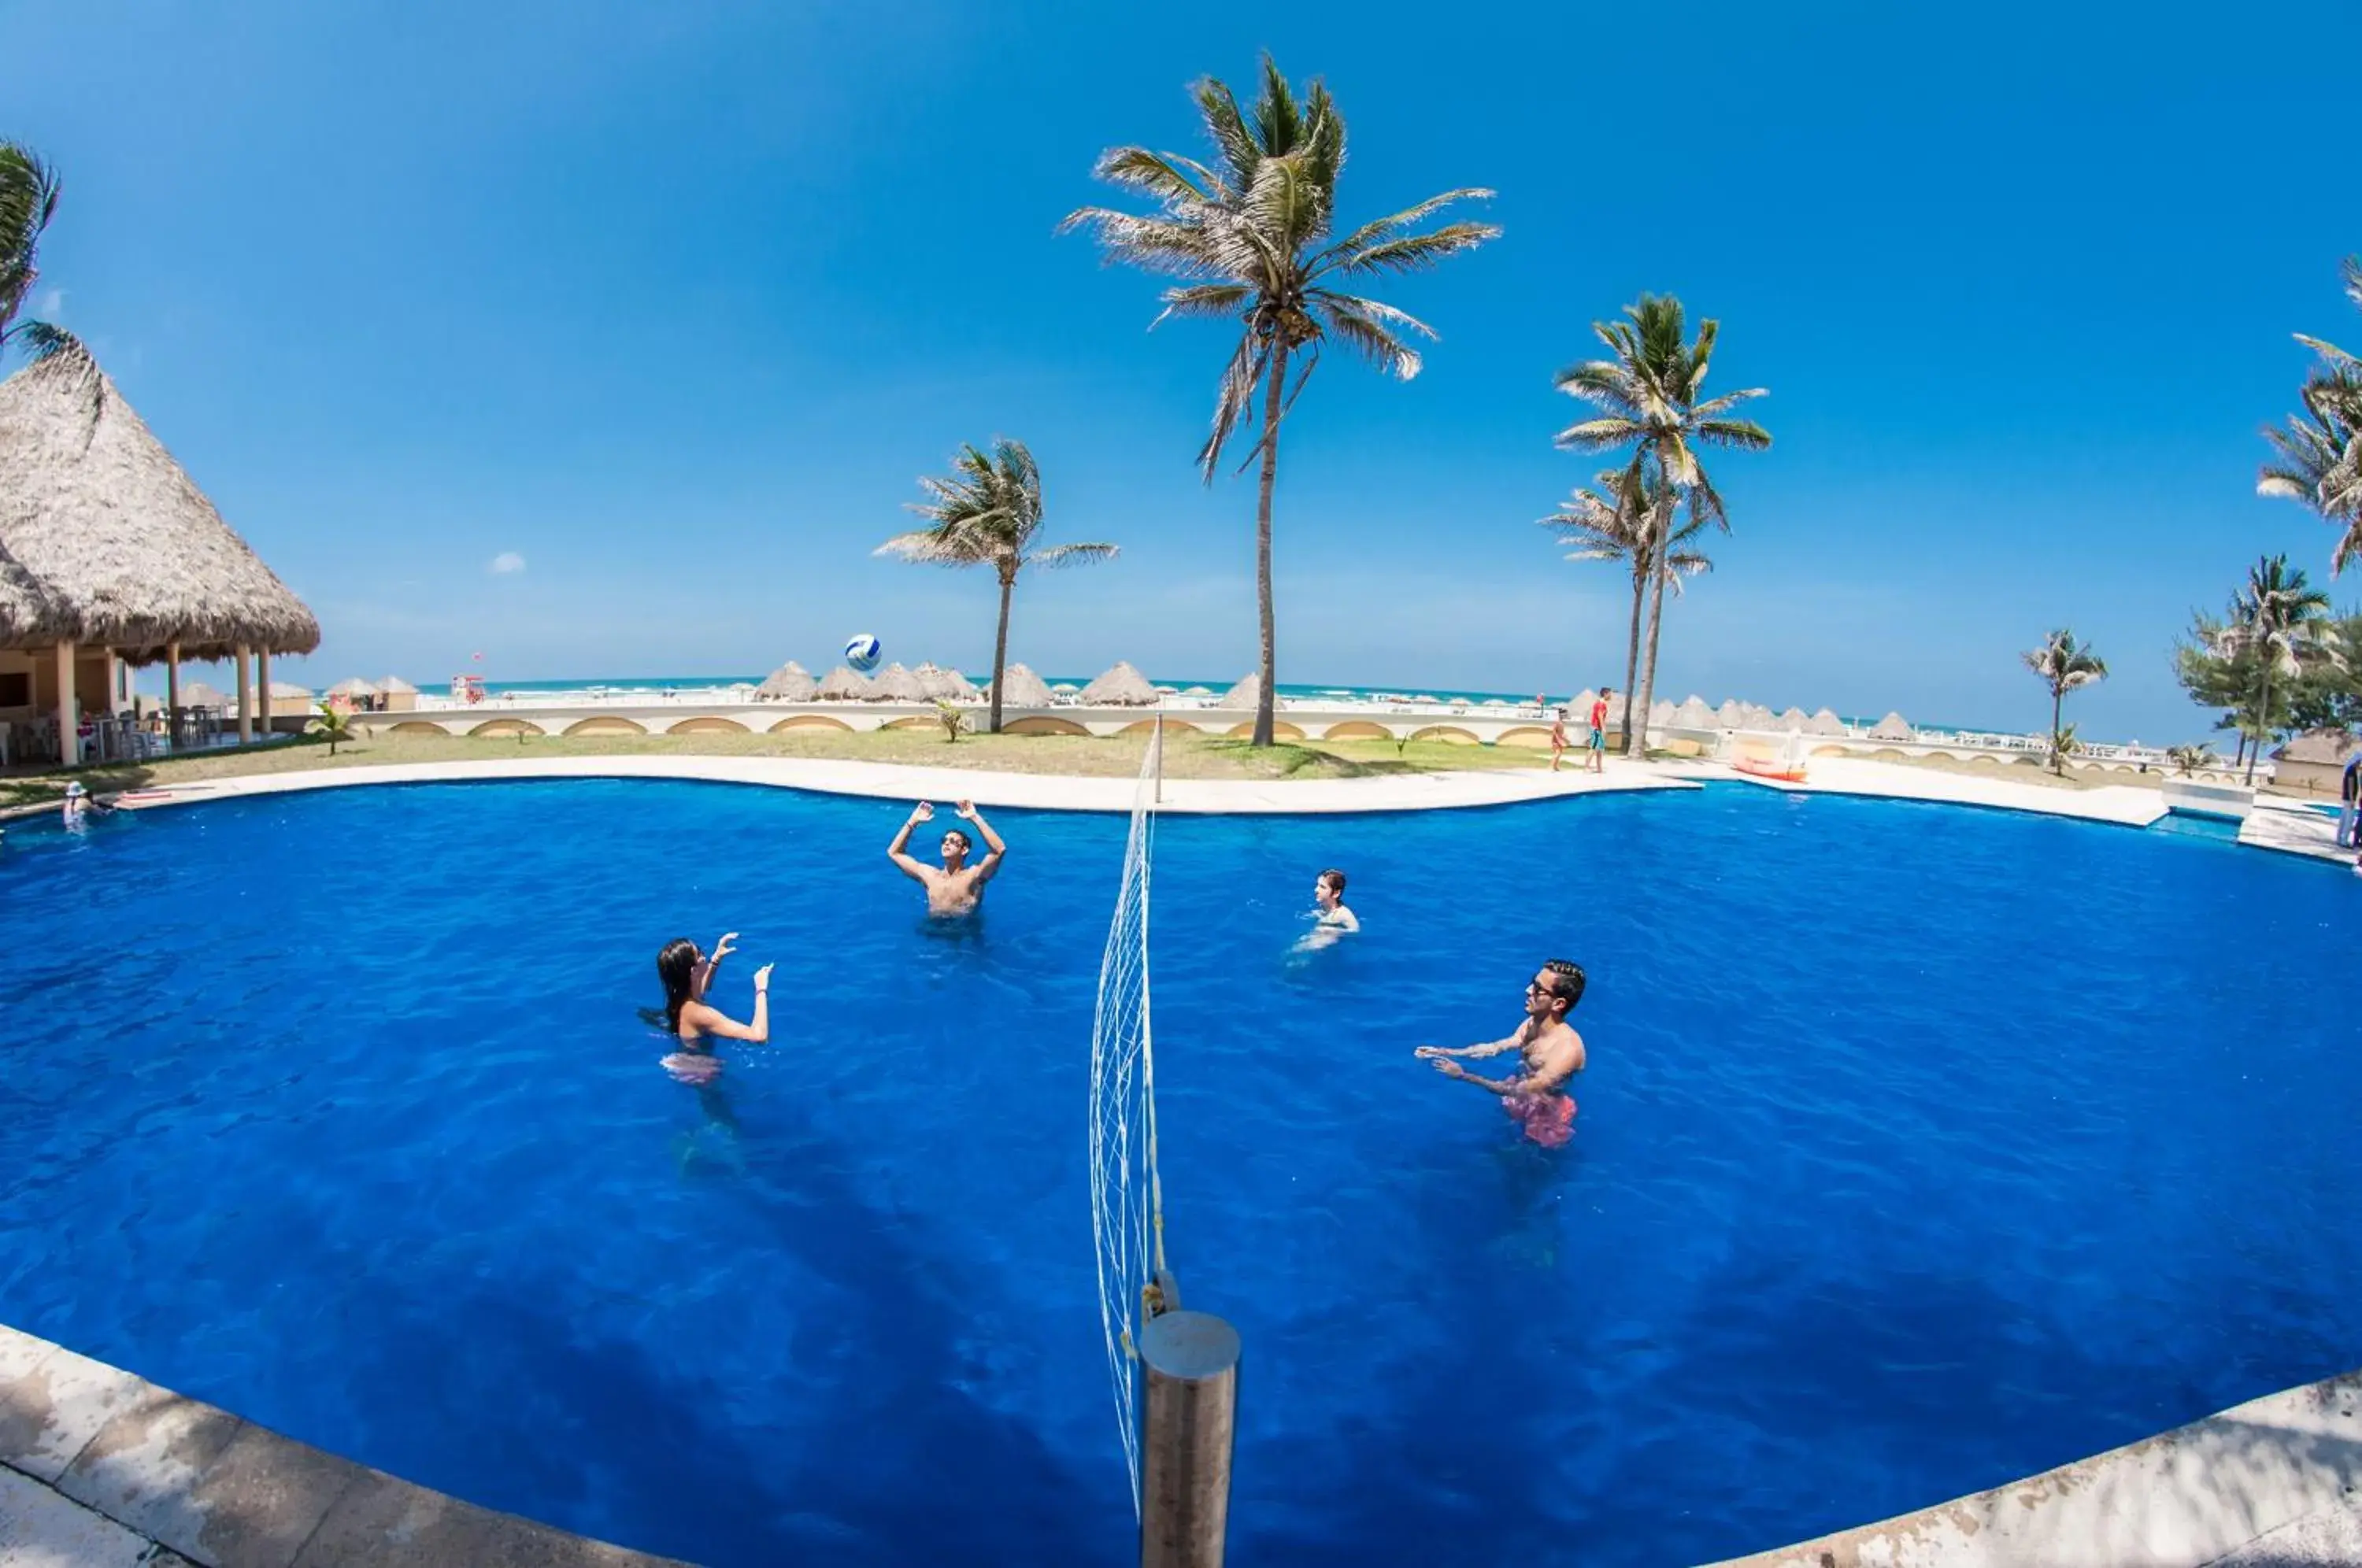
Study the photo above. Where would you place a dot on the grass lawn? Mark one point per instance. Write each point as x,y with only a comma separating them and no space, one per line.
1185,757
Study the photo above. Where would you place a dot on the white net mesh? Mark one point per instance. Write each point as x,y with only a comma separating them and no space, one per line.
1127,1206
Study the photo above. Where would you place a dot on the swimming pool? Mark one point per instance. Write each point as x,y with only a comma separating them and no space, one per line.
1921,1149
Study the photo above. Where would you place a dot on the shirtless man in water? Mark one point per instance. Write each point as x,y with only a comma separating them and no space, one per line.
954,888
1535,1097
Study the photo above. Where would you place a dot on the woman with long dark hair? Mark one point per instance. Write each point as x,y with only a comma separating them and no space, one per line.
687,974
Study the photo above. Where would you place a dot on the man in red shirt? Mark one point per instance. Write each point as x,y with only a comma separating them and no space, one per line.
1599,730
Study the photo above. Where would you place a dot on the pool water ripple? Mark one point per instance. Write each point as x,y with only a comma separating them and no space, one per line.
1921,1149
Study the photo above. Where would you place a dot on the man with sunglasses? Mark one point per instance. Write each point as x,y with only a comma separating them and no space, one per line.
956,887
1553,1052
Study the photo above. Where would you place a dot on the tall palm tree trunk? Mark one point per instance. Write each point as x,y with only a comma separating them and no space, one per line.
2263,719
1266,700
1000,647
1646,694
1632,655
2058,705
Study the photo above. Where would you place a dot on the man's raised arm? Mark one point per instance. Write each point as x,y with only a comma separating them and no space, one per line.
897,851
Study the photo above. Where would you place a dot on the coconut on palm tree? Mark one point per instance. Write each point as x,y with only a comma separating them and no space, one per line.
986,512
2064,665
2284,624
2317,459
1649,395
1614,523
1249,237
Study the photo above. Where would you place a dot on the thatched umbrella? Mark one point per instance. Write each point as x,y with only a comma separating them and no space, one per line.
1731,715
792,682
197,694
1121,687
1020,687
1794,721
1660,712
353,686
1825,723
1248,694
947,685
1893,727
1694,715
842,685
895,684
1759,717
1198,692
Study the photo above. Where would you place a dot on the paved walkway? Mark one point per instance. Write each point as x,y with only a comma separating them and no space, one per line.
2129,805
2272,1484
2293,830
104,1468
1381,793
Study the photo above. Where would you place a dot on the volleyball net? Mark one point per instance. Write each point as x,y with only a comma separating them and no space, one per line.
1127,1202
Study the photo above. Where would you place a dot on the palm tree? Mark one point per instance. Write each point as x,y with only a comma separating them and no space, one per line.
1249,238
2064,665
1613,524
28,199
2283,620
2318,459
1647,396
986,514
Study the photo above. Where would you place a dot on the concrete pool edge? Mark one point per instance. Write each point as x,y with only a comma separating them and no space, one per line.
2276,1481
98,1466
1027,791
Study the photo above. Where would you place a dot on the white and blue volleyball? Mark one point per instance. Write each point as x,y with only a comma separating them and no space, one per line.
861,652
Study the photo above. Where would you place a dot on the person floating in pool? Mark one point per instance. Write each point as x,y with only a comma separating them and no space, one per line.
1535,1097
82,806
954,888
695,1025
1331,918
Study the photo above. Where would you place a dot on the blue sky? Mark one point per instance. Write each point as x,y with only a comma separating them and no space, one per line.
674,302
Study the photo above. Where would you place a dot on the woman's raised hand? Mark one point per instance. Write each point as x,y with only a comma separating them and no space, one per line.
763,978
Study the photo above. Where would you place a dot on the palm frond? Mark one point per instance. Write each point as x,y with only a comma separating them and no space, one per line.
1413,252
1224,300
1161,175
1377,229
1232,396
1598,435
1058,556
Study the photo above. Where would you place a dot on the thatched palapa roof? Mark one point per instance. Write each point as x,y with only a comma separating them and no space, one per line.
792,682
197,694
117,546
1694,715
1123,687
896,684
842,685
1020,687
1248,694
946,685
1893,727
1825,723
395,686
352,686
1793,721
2330,746
1661,712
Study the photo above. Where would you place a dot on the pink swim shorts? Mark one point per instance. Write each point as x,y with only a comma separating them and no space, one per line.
1547,1119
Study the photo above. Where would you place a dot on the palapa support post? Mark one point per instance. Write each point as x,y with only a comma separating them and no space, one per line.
69,722
245,699
172,694
262,687
1188,1418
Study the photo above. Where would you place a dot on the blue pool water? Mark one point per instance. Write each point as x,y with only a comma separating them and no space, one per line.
1921,1149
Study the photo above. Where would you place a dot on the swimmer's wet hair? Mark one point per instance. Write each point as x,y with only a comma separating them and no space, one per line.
1566,979
1335,878
677,970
